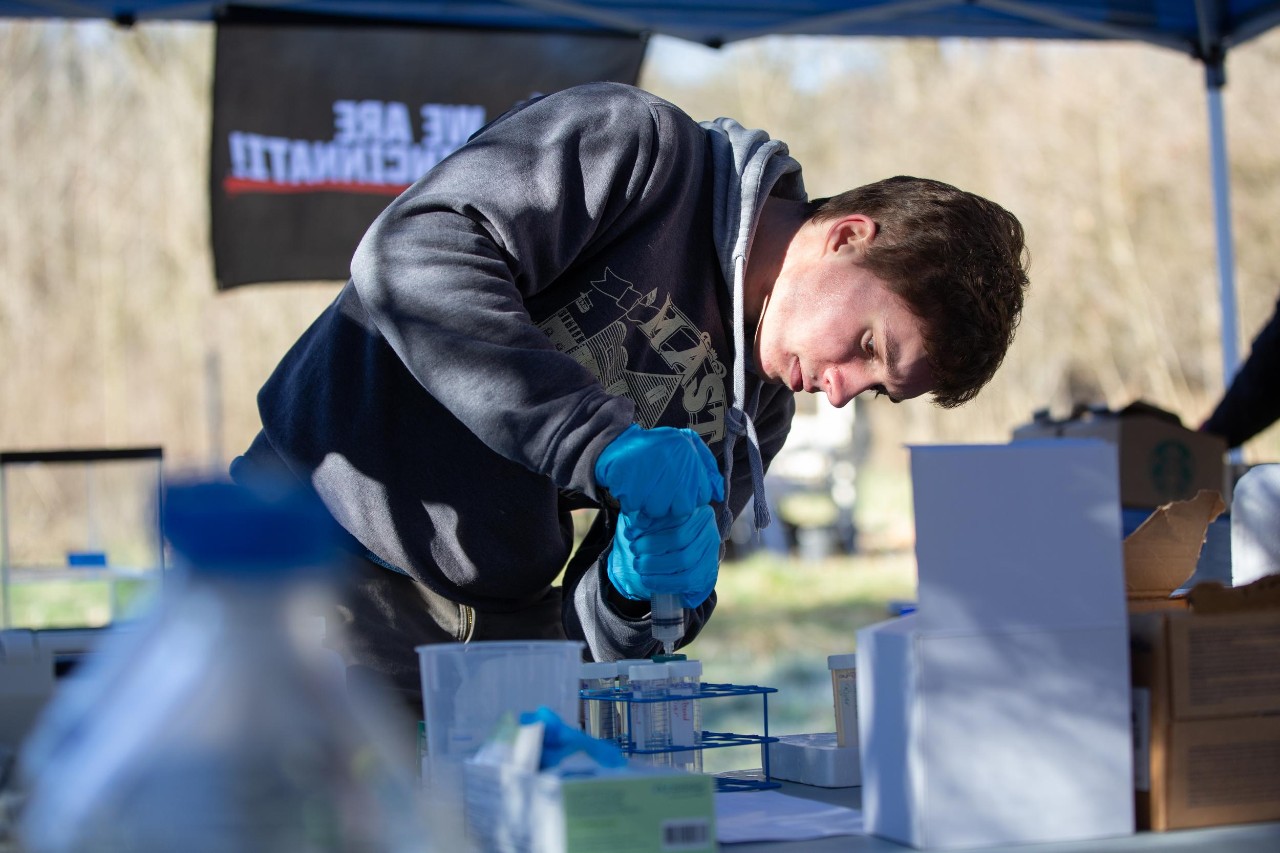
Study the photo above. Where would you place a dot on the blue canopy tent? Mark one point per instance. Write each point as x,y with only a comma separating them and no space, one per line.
1203,29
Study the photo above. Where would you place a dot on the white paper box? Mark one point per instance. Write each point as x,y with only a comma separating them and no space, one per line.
975,739
999,712
814,759
584,809
1023,534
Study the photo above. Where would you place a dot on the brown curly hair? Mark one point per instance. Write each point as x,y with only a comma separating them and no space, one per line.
960,263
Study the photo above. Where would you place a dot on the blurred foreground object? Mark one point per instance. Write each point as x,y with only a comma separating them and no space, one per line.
214,727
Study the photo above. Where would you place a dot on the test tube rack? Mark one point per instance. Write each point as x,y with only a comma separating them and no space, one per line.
709,740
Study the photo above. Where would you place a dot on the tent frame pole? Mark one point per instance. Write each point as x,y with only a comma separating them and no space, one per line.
1222,221
1215,79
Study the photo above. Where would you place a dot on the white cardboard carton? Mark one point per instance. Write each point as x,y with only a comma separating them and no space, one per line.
999,712
814,759
1025,534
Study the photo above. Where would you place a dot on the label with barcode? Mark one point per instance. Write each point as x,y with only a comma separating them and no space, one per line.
690,834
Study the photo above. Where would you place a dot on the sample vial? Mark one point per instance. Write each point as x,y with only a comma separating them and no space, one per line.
599,715
686,714
622,710
844,691
651,720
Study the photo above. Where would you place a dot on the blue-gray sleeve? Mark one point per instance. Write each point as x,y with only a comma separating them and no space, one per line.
445,270
1252,402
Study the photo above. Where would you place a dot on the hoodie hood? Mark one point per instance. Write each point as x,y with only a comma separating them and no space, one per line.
749,167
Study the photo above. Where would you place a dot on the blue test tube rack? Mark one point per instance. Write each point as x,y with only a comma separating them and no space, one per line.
709,740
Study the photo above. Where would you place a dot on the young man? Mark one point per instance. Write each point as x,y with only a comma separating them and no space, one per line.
598,302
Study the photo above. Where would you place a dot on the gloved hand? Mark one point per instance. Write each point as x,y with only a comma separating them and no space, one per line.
678,554
559,741
658,472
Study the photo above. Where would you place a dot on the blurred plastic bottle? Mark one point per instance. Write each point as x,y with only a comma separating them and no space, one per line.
221,728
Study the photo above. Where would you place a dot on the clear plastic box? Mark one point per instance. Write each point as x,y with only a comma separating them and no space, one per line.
469,688
80,538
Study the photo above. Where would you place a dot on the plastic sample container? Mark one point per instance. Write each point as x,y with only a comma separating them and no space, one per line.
599,719
844,692
651,716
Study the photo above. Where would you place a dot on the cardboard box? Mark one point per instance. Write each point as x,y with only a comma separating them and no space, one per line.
1206,718
1160,460
1206,680
632,810
1163,552
979,739
998,713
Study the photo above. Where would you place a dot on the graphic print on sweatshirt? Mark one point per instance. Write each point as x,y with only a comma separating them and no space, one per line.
641,346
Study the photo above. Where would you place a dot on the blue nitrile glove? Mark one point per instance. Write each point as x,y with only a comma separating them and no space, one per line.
560,740
669,554
659,471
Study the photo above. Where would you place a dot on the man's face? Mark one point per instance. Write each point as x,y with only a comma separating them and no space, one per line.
831,327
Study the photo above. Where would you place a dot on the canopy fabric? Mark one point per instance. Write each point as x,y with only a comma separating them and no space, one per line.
1201,28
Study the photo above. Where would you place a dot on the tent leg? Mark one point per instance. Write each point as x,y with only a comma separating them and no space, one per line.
1222,222
1215,79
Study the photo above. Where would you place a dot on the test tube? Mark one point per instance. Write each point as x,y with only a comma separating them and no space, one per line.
651,721
686,714
599,716
622,707
844,692
666,613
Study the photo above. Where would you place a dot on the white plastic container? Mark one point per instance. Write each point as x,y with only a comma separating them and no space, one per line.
844,692
623,709
225,730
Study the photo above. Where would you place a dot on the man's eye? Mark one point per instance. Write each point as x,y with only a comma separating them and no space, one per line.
870,346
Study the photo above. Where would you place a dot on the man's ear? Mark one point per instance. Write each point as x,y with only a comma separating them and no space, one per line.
852,233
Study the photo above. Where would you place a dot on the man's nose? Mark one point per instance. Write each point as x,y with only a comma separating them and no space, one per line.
840,389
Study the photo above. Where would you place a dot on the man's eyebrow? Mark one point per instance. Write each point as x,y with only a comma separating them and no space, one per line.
891,358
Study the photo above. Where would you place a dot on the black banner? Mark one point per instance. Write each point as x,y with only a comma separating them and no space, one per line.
317,128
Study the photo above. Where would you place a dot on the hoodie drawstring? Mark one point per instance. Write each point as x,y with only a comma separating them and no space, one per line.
738,421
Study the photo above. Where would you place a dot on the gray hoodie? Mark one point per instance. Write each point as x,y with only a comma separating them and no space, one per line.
576,267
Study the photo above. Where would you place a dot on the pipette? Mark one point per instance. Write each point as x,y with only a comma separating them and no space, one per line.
667,616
